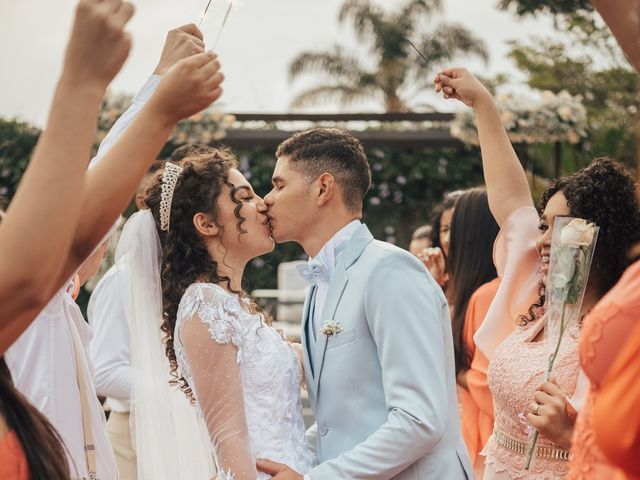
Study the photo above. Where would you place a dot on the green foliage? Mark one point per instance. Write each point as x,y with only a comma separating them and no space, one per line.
608,87
17,140
398,74
407,184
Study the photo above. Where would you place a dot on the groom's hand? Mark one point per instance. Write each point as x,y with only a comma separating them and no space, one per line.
181,43
279,471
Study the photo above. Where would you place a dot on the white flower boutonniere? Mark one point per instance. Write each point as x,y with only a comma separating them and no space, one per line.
330,327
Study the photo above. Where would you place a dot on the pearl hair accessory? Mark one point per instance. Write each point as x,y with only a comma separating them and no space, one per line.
169,179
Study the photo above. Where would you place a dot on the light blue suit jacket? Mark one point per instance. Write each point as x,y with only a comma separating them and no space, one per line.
383,389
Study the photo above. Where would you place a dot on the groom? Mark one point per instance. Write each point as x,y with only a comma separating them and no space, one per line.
375,331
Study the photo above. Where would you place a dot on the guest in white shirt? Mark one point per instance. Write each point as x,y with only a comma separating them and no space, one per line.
45,368
110,352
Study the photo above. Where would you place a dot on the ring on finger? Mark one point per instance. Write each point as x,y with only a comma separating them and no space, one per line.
535,410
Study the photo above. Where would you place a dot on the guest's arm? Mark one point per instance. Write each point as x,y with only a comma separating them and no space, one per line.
507,185
623,18
39,227
190,86
180,43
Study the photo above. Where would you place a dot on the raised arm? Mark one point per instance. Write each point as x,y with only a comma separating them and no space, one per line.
188,87
48,202
507,185
180,43
623,18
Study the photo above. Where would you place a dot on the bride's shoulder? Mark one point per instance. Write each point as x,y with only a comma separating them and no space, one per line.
208,300
215,307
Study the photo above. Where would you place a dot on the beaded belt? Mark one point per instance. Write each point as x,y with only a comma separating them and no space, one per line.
542,451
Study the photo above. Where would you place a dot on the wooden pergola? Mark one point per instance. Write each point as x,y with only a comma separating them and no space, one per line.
436,135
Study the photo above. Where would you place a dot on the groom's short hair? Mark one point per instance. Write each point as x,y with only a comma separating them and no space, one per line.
319,150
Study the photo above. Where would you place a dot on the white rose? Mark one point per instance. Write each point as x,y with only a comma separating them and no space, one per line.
564,112
573,137
506,117
578,233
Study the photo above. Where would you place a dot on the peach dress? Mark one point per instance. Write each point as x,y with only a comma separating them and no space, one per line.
476,403
517,364
13,463
605,331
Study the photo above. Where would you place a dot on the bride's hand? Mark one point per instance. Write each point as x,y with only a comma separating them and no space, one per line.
458,83
188,87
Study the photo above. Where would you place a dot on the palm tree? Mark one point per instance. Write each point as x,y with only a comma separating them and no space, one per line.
399,74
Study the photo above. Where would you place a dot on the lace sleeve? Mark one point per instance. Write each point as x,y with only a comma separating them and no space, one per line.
211,341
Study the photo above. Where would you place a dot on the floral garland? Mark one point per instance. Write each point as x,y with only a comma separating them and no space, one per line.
208,126
557,117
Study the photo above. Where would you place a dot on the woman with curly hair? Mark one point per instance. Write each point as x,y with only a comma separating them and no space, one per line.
513,335
183,261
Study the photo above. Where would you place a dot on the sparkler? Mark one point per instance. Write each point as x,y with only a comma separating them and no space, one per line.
419,52
224,22
205,13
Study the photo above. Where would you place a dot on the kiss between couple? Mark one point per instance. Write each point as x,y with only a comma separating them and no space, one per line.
376,353
376,334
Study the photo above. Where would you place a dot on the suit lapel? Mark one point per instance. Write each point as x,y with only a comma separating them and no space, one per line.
337,285
306,311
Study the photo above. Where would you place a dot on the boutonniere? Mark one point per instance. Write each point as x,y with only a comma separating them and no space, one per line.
330,328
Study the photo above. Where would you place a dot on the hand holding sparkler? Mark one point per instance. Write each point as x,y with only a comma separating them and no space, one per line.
458,83
188,87
181,43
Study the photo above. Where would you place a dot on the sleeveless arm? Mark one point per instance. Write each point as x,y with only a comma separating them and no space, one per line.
211,344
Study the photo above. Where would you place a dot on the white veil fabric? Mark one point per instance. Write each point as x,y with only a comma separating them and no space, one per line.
169,435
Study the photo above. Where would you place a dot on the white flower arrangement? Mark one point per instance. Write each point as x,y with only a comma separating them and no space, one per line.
330,328
554,117
204,127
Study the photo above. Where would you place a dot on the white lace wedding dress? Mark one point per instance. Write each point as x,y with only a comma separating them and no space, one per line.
246,380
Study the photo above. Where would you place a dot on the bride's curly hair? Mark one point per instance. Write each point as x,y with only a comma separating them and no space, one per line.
604,193
185,258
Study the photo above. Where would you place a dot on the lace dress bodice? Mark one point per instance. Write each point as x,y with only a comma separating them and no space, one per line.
246,380
513,384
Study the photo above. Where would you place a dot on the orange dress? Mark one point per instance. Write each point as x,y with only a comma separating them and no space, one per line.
604,333
616,416
13,463
476,403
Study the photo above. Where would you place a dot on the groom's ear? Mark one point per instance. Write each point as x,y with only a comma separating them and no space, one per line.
327,188
205,225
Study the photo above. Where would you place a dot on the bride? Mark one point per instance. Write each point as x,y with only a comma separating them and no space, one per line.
182,262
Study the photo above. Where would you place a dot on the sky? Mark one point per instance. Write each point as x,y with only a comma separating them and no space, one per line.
259,40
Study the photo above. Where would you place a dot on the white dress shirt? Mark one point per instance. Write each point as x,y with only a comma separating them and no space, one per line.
328,255
43,366
110,347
